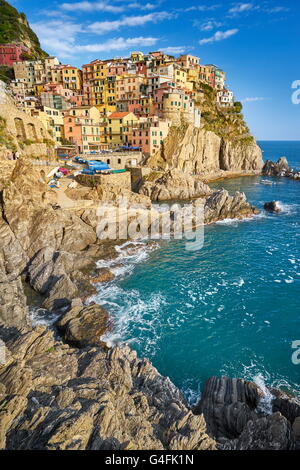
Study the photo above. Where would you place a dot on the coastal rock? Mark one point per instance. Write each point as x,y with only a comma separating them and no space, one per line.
91,399
238,156
296,428
268,433
60,295
272,206
276,169
227,405
220,205
13,304
84,326
287,406
174,184
202,152
104,275
13,259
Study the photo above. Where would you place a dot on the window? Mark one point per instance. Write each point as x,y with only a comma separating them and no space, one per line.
119,161
70,129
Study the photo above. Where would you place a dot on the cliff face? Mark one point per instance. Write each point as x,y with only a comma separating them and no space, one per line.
14,28
199,151
19,131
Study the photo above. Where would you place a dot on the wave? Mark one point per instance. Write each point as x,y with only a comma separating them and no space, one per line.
257,372
40,316
288,209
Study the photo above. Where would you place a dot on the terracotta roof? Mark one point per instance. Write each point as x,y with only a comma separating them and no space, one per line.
118,115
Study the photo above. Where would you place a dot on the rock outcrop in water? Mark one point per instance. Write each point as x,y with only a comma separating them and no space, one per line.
280,168
272,206
232,410
220,205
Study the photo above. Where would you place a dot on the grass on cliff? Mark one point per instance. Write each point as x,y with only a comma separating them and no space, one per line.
227,123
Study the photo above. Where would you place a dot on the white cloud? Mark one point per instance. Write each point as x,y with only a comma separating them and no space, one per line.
107,6
200,8
57,35
219,36
92,7
146,6
117,44
241,7
174,50
102,27
277,10
207,25
256,98
60,38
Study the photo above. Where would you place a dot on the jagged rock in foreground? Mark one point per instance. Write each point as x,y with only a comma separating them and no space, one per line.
232,413
280,168
220,205
55,397
174,184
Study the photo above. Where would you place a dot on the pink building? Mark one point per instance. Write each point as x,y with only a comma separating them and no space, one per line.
10,53
141,68
116,68
149,134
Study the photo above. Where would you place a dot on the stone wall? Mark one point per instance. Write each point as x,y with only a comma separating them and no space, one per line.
117,179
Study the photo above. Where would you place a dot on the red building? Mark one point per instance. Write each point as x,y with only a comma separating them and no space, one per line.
10,53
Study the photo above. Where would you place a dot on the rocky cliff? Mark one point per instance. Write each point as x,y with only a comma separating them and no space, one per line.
203,152
19,131
61,387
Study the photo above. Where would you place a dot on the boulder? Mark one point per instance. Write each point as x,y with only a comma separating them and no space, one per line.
227,405
272,206
61,294
104,275
280,168
296,428
84,325
174,185
220,205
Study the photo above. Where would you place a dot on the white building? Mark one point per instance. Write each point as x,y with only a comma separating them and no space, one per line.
225,98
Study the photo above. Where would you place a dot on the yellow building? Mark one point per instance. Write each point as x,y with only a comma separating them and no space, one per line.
53,120
147,105
180,75
71,78
136,56
116,131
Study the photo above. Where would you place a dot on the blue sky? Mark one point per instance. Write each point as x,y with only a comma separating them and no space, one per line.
255,42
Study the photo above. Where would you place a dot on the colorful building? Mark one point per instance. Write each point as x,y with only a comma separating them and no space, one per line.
11,53
83,127
117,123
149,133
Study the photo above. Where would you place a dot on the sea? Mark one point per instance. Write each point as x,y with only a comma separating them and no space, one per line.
231,308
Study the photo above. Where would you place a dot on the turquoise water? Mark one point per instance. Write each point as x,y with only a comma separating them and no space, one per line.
231,308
